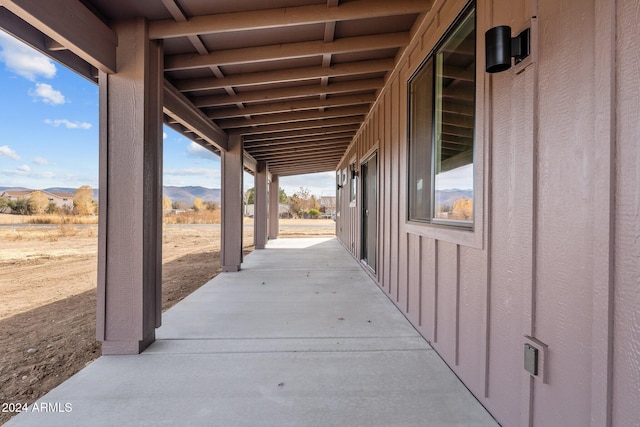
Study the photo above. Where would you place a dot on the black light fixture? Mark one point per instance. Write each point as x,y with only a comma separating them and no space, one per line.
500,47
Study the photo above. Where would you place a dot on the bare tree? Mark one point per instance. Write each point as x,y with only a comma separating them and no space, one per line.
38,202
83,201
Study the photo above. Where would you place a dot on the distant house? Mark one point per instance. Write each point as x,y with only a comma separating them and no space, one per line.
61,200
283,210
328,206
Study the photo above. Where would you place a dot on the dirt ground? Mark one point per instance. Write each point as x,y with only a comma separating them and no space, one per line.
47,294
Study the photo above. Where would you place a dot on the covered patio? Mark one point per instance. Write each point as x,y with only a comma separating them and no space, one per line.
525,282
300,336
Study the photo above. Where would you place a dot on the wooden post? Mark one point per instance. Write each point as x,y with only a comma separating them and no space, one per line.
232,170
274,207
260,218
130,237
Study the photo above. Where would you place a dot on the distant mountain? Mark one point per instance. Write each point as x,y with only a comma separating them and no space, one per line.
447,197
177,194
188,194
49,190
2,189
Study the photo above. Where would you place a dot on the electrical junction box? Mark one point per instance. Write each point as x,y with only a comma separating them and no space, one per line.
531,359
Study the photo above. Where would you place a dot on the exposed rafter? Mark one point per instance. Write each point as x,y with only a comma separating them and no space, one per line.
287,75
283,107
288,93
291,16
293,117
310,124
34,38
178,107
309,132
262,148
301,141
89,38
286,51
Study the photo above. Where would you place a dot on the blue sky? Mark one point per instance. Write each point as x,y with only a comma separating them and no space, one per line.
49,132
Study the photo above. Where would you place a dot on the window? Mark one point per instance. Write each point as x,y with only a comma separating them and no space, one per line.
441,130
354,183
339,185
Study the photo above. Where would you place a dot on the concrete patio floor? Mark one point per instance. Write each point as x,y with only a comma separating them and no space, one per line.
300,337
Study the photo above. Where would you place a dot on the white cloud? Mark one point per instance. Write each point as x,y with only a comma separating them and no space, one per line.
41,161
68,124
164,135
48,94
198,151
6,151
190,172
25,171
23,60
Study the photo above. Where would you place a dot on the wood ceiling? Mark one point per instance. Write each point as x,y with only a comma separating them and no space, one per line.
296,78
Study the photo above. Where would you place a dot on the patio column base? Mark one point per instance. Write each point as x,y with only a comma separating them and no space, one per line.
127,347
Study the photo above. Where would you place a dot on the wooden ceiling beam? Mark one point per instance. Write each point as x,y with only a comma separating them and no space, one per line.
459,93
283,17
293,117
283,107
296,147
313,163
33,37
317,140
459,73
455,131
180,109
301,167
288,75
285,51
310,124
459,109
276,159
301,133
287,165
458,140
289,92
305,169
89,38
315,152
458,121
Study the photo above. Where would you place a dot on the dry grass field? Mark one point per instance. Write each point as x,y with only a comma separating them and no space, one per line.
47,293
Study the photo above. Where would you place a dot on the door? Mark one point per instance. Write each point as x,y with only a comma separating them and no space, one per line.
369,171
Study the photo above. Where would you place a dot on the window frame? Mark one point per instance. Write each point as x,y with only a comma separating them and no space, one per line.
429,66
353,183
464,233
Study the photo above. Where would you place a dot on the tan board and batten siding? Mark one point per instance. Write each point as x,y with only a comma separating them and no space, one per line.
554,253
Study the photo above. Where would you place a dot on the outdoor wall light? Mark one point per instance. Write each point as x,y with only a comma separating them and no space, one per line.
500,47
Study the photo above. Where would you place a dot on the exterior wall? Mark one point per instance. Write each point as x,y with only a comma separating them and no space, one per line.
553,259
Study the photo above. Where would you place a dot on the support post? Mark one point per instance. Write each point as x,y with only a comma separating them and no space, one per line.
130,237
232,170
261,212
274,207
